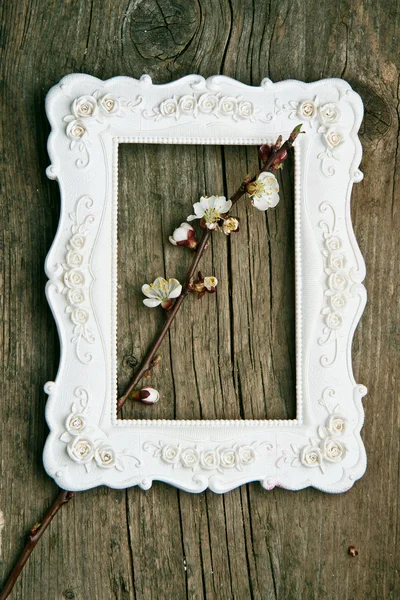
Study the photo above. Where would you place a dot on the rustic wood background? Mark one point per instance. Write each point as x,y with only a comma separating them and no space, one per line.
166,544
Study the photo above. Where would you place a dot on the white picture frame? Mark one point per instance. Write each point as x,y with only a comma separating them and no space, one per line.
87,445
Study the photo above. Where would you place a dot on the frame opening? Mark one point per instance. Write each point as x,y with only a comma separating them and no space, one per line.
230,355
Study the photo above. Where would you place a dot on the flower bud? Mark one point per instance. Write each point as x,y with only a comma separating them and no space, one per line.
279,159
203,285
146,395
295,133
278,143
184,235
264,152
230,225
156,361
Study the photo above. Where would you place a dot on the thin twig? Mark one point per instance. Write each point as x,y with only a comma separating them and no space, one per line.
64,496
200,250
36,533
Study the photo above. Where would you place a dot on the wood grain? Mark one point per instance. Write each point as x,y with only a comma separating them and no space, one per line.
248,544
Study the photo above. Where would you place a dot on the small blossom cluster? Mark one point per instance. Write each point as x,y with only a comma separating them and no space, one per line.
202,285
211,210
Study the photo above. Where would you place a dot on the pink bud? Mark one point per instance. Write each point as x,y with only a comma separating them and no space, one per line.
264,152
184,235
147,395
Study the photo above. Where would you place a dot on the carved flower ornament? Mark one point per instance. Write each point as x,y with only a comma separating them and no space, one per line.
328,447
87,109
198,458
326,117
207,103
74,280
87,445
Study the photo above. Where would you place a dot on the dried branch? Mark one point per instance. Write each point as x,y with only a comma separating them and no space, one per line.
274,158
36,533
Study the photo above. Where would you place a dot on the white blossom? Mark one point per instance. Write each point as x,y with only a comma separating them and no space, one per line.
211,209
230,225
161,292
210,283
264,192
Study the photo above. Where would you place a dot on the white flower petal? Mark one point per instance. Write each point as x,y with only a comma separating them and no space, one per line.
181,233
160,284
263,176
221,204
199,208
207,201
150,292
261,203
174,288
151,302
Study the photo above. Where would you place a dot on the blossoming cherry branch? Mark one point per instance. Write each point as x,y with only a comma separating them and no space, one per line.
213,212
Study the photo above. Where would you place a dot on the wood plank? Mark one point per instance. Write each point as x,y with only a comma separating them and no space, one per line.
165,543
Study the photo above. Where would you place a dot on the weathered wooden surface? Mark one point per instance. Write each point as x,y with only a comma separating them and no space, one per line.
164,543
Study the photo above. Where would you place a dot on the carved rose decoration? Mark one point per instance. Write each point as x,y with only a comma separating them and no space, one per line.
86,444
81,450
328,447
84,106
197,458
207,103
90,109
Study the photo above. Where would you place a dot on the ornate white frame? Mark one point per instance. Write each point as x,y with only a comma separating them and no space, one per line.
87,445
